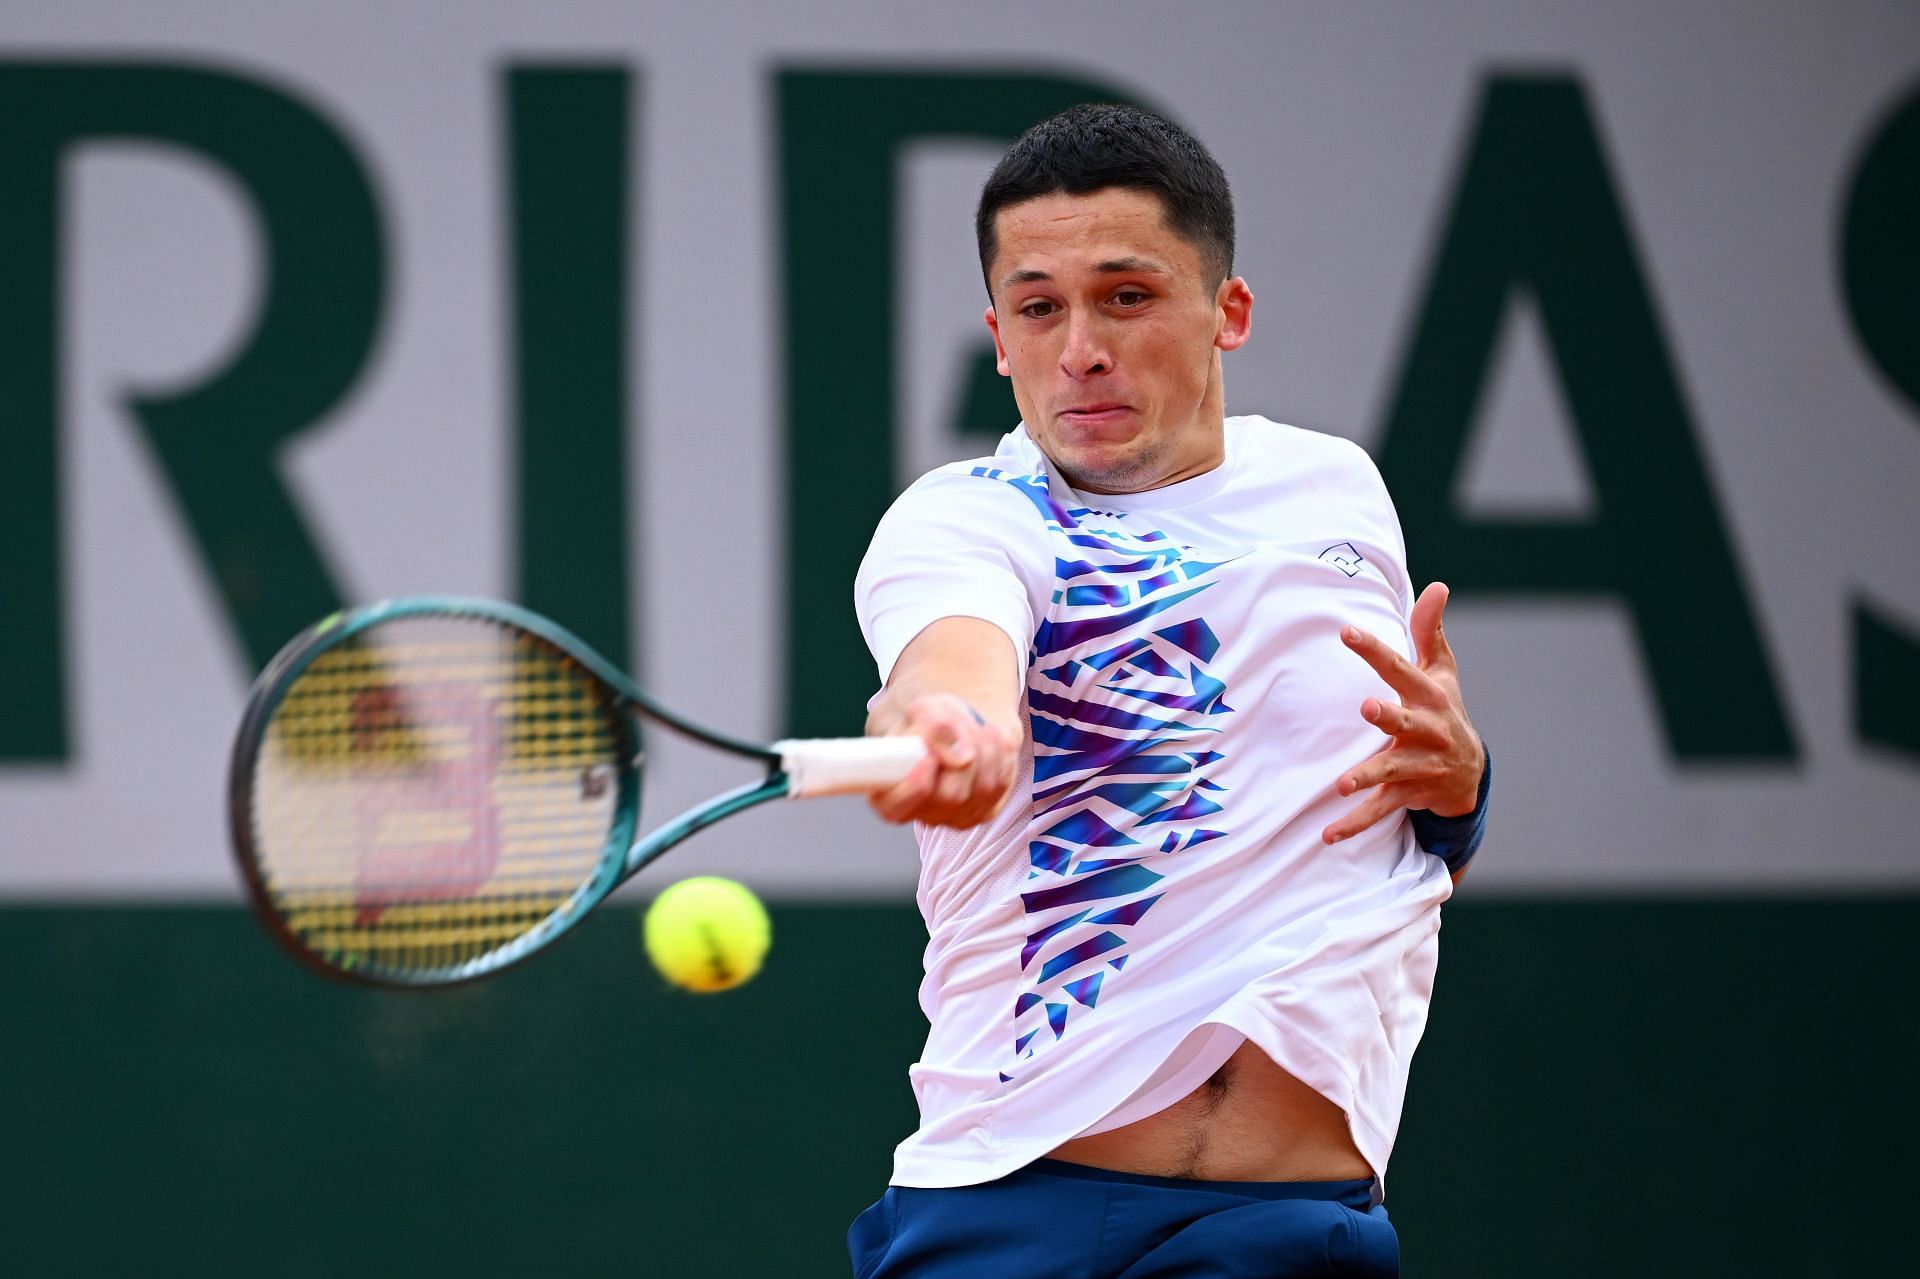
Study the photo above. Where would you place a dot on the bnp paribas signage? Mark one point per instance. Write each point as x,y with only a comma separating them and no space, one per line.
1537,211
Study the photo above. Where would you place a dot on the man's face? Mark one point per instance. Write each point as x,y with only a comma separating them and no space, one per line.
1111,330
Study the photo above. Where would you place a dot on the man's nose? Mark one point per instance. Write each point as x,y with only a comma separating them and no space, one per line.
1087,352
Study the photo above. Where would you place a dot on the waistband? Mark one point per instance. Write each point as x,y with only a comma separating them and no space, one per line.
1356,1194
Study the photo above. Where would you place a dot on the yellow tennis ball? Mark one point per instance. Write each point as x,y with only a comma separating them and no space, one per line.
707,934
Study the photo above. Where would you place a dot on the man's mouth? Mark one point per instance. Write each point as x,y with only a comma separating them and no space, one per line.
1095,414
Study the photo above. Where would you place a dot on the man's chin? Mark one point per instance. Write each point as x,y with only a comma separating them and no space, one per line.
1097,471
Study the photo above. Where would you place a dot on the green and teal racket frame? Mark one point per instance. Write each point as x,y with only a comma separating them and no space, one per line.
348,728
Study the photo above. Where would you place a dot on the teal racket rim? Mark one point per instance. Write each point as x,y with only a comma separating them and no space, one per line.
432,841
329,635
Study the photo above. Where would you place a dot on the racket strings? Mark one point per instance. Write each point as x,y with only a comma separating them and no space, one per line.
432,791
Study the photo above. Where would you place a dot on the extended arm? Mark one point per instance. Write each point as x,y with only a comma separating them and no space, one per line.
956,685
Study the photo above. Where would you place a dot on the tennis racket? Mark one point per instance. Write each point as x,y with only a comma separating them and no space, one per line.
425,791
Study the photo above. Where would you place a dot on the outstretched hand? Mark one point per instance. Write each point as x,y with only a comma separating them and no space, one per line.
1433,759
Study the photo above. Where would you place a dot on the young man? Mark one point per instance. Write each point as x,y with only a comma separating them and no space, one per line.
1182,930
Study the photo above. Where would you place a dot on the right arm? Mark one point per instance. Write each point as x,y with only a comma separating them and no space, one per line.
947,597
956,687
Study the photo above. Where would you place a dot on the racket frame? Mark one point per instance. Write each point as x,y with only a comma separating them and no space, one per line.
621,858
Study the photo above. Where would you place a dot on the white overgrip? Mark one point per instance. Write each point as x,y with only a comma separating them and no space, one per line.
846,765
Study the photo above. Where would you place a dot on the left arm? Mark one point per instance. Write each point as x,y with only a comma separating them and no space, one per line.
1435,763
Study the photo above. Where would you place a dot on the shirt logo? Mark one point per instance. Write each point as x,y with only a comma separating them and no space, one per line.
1123,711
1344,557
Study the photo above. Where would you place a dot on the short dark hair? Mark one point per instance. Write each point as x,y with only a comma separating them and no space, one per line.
1098,145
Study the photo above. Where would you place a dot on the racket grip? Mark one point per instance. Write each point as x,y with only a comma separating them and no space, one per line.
846,765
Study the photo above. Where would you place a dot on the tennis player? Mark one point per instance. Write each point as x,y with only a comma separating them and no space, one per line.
1200,774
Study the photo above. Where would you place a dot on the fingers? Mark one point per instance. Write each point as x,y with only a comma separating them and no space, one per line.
1430,645
1378,805
1390,766
955,784
1401,675
1395,779
1434,759
950,743
899,803
1389,718
1406,724
968,771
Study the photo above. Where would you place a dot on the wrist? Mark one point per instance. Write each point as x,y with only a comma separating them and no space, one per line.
1455,839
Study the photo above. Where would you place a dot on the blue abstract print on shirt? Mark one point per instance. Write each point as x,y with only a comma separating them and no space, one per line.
1122,709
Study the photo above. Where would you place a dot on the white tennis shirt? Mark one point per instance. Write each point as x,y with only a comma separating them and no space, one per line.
1156,893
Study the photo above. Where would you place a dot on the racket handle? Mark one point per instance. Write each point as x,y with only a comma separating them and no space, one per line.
846,765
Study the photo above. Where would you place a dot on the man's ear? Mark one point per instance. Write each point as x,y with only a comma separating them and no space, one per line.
999,349
1235,301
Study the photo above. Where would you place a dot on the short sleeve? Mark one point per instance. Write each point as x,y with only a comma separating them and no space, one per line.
953,545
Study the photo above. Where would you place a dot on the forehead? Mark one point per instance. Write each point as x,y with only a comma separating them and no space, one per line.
1060,233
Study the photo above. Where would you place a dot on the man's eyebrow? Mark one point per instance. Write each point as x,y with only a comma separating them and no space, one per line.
1027,276
1112,266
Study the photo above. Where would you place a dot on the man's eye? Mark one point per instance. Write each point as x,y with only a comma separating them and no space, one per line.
1129,297
1038,309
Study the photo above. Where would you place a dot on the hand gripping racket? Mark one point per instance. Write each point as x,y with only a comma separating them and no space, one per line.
427,790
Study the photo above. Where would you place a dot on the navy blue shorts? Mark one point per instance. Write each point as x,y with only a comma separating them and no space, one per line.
1054,1220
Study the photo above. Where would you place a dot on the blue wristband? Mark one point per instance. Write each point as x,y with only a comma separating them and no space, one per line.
1454,840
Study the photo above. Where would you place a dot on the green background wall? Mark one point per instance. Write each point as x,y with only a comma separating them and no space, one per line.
1672,1088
